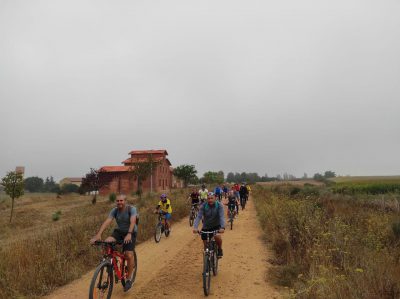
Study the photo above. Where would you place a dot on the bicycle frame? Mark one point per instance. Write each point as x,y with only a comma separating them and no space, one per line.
110,253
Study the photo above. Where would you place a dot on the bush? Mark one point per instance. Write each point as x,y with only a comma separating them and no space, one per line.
69,188
55,216
396,229
112,197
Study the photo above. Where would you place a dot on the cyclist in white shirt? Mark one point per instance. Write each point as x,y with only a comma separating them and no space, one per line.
203,192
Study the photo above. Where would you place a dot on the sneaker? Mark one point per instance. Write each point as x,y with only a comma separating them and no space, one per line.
220,253
128,285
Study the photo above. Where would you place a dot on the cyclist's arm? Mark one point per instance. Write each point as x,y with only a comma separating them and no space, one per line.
105,224
132,220
198,218
221,216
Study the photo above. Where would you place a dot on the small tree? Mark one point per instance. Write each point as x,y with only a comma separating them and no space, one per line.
13,184
91,182
187,173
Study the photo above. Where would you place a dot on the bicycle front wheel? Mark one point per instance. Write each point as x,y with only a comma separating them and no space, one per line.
214,260
158,232
125,270
206,275
102,282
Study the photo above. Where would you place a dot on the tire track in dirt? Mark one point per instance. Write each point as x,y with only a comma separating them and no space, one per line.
172,268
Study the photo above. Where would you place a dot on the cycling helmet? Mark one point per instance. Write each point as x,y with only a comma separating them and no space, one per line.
210,194
163,196
203,186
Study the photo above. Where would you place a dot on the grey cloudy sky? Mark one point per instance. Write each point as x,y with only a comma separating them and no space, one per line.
266,86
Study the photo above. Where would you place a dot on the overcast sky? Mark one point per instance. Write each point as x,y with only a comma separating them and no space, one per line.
266,86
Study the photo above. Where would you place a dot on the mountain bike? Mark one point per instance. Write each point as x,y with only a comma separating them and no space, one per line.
231,215
193,213
161,227
112,267
210,260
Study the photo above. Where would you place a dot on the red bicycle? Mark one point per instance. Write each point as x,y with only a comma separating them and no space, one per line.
113,266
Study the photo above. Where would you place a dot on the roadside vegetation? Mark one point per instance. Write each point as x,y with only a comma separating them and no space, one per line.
47,245
333,244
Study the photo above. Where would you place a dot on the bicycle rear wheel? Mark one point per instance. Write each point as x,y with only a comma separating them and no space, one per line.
102,282
158,232
206,275
125,270
231,221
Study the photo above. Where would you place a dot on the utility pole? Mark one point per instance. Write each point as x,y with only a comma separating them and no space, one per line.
151,173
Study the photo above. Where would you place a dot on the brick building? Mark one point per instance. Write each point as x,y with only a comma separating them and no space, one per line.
119,179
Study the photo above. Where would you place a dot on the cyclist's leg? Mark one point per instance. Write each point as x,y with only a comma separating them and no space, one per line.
168,220
128,253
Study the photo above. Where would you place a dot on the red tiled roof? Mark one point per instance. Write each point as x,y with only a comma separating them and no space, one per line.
115,168
75,179
149,152
140,160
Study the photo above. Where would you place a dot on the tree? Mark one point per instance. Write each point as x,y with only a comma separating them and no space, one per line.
142,170
319,177
91,182
51,186
212,177
69,188
329,174
187,173
13,184
230,177
34,184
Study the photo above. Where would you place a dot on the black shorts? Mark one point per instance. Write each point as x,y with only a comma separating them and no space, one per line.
204,236
232,206
120,236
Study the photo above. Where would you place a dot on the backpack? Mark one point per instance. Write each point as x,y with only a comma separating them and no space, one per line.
206,206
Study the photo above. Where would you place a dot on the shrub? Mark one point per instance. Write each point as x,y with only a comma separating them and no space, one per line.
396,229
112,197
55,217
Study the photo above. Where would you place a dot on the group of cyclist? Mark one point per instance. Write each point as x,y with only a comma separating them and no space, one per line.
208,204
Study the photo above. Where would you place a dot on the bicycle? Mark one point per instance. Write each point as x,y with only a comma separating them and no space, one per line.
112,267
161,227
193,213
231,215
210,260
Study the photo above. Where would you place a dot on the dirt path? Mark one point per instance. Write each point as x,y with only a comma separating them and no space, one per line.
172,268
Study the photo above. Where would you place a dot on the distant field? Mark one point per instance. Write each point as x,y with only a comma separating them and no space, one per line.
298,183
367,179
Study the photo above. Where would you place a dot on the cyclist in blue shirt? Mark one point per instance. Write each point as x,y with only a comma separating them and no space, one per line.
218,193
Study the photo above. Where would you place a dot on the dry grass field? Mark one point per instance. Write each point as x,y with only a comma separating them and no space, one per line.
332,245
38,254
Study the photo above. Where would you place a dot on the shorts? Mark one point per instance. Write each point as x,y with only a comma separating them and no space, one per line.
119,236
167,216
204,236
